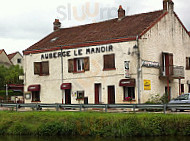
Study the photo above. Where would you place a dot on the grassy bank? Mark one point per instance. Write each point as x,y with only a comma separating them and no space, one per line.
92,124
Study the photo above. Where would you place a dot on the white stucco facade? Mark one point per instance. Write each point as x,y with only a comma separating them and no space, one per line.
167,35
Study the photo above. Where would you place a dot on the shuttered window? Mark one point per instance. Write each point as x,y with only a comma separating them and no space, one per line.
78,65
187,63
37,68
41,68
109,61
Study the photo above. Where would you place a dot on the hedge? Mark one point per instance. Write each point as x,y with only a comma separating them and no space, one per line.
93,124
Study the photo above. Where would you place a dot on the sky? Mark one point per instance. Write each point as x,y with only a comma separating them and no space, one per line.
25,22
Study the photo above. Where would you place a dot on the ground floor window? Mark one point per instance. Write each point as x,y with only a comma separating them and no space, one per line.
35,96
80,94
182,88
129,92
189,88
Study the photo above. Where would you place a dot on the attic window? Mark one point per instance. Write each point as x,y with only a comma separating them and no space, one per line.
54,39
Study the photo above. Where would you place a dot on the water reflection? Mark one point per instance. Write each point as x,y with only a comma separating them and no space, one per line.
79,138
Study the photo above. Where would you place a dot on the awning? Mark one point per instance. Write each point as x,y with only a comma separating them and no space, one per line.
65,86
127,82
34,88
16,87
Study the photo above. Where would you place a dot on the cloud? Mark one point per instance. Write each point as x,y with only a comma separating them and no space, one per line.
25,22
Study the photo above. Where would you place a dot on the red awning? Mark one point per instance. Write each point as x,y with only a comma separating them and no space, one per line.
16,87
34,88
127,82
65,86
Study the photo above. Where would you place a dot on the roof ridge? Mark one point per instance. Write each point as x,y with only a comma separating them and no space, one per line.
108,20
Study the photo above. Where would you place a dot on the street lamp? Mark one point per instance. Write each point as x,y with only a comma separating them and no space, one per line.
137,52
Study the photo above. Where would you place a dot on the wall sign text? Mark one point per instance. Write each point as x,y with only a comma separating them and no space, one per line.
78,52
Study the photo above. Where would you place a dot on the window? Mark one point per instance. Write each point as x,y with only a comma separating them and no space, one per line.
78,65
109,62
167,64
129,92
41,68
80,94
187,63
35,96
188,88
182,88
18,61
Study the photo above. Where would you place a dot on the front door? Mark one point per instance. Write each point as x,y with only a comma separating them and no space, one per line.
111,94
67,96
97,93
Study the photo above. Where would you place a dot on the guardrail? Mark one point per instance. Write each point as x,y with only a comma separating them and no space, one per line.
106,107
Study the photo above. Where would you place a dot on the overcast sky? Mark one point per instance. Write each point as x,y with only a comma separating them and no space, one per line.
25,22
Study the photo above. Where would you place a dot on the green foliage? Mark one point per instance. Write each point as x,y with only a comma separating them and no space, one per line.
10,93
154,99
157,99
93,124
10,75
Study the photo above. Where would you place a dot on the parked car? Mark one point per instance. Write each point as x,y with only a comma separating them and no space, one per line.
182,99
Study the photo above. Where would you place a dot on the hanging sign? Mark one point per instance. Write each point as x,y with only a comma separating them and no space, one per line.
126,63
150,64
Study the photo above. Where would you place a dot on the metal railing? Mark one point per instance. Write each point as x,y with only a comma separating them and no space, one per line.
173,71
106,107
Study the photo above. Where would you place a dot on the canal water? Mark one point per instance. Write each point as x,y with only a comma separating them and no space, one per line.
79,138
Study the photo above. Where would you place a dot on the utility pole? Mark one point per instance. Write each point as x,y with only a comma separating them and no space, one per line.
138,70
62,73
6,91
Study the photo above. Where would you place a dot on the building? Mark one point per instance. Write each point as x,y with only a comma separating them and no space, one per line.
4,60
131,56
16,59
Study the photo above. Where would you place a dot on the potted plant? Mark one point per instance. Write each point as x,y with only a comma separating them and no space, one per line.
128,99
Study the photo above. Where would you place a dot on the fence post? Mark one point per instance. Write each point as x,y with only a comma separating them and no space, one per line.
165,108
134,108
57,107
36,107
16,107
106,108
80,107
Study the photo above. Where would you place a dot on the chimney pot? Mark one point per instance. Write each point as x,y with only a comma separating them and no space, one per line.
121,13
56,25
165,5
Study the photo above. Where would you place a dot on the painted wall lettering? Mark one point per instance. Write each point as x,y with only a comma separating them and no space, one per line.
78,52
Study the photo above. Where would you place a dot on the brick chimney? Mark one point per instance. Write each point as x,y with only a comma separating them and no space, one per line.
165,5
56,25
168,5
121,13
171,6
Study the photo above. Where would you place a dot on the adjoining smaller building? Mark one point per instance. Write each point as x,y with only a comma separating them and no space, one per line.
4,60
16,58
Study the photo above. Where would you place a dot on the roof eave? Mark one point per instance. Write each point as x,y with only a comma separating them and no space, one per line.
80,45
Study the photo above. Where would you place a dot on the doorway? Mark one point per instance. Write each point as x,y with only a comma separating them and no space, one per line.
98,94
67,96
168,94
111,94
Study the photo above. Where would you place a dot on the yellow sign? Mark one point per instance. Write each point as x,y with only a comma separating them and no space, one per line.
147,85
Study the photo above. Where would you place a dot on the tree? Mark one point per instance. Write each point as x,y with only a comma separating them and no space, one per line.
10,75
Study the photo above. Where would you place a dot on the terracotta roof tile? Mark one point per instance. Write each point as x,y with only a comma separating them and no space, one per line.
10,56
130,26
2,50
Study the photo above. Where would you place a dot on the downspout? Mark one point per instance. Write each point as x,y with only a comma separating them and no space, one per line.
138,71
62,73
